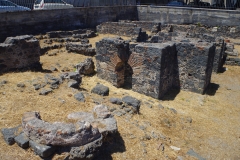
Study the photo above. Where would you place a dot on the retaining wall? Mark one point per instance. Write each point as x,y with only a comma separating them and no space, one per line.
186,15
35,22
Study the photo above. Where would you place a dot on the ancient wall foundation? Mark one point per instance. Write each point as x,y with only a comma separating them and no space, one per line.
123,29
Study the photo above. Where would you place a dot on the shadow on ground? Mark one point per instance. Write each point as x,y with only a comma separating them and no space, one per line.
170,95
113,144
212,89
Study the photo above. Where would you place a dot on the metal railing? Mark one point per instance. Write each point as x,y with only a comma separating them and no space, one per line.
27,5
210,4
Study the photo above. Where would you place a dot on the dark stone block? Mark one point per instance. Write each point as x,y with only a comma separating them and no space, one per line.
116,101
22,141
43,151
9,134
135,103
101,90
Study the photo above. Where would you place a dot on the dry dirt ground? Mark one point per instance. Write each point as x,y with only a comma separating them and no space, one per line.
208,124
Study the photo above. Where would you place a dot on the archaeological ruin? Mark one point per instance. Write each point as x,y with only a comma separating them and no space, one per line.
170,59
134,52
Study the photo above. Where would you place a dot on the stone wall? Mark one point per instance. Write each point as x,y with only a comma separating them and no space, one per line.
42,21
185,15
19,52
145,25
123,29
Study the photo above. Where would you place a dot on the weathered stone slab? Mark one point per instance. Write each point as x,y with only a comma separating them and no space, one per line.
58,134
100,118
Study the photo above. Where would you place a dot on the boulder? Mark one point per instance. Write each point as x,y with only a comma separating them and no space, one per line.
73,84
87,67
100,90
80,97
135,103
116,101
71,75
101,111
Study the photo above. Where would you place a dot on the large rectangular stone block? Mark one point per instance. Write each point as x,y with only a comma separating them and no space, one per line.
19,52
195,64
153,68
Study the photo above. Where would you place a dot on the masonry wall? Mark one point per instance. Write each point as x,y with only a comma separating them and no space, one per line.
156,73
185,15
195,63
21,52
35,22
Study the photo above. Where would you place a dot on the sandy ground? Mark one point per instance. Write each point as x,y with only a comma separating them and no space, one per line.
209,124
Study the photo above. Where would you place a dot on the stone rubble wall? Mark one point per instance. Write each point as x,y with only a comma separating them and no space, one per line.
198,29
80,33
233,61
19,53
123,29
149,26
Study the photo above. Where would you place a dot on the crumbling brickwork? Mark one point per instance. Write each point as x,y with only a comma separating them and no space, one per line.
112,56
19,52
